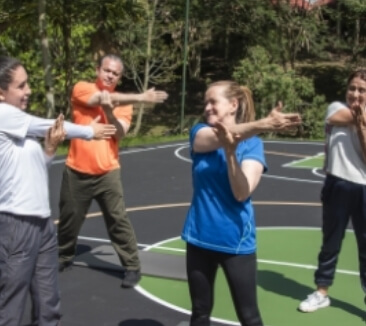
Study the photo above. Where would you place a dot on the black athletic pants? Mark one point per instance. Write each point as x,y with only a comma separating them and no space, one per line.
240,272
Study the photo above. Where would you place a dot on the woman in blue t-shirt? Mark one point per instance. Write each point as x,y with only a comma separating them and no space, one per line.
228,161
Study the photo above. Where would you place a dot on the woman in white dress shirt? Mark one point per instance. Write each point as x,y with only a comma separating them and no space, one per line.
28,244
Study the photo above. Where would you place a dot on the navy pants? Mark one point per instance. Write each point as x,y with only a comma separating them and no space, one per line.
241,274
341,200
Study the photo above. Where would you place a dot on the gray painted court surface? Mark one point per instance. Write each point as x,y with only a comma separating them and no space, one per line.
157,186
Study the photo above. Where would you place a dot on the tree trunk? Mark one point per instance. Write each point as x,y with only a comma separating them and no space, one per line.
356,39
150,28
339,20
194,62
227,43
66,32
46,59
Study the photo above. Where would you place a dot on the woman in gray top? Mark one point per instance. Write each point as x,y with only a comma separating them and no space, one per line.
344,192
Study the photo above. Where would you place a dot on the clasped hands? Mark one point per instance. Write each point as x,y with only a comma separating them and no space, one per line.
275,121
359,114
55,135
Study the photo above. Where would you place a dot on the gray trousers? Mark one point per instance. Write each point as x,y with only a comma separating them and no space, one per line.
28,262
77,192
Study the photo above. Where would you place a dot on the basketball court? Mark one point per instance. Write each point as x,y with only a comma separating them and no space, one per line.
157,185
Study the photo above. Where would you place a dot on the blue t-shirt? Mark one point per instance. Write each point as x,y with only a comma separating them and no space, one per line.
215,219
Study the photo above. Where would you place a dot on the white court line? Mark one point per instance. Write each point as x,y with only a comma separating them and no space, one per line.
131,151
293,142
179,156
227,322
179,309
160,245
151,148
270,176
318,172
186,144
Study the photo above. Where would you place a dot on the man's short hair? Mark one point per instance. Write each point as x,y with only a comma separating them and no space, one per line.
112,57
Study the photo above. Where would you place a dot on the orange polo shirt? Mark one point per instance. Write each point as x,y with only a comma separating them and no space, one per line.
93,157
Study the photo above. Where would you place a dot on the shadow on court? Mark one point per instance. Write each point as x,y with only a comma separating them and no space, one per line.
154,176
277,283
140,322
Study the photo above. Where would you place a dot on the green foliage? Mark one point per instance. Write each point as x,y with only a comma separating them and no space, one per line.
313,115
296,32
329,79
357,6
286,50
270,83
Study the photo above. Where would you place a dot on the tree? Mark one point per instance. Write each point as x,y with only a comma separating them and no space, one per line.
149,36
20,38
271,83
356,10
150,15
200,30
46,58
297,29
150,59
248,25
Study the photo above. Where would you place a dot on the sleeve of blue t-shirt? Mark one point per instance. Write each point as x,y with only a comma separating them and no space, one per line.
193,132
250,149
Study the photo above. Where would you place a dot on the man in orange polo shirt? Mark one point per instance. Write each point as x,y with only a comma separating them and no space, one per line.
92,167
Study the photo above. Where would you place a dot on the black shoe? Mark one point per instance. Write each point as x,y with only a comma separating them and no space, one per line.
131,278
65,265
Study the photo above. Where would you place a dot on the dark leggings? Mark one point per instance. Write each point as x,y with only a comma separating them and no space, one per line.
240,272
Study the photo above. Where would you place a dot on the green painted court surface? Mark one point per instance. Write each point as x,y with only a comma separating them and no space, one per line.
286,261
316,161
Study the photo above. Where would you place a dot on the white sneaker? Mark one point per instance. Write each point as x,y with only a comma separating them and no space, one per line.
314,301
